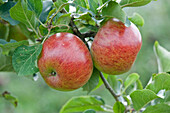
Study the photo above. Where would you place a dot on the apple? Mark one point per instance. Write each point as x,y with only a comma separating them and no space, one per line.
115,47
65,62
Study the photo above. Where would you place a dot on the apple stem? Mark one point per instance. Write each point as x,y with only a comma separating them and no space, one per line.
107,85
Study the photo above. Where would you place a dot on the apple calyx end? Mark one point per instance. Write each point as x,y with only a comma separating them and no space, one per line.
53,73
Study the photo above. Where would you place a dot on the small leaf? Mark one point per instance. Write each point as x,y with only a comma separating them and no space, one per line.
81,3
24,58
90,111
19,32
4,31
63,19
159,108
163,58
132,78
93,5
167,96
104,1
118,107
160,81
137,19
139,84
112,80
5,63
7,96
127,100
134,3
82,103
60,4
36,6
47,7
3,42
100,81
87,17
114,10
142,97
93,81
4,12
12,45
21,13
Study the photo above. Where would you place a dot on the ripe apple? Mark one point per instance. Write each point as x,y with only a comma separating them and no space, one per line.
115,47
65,62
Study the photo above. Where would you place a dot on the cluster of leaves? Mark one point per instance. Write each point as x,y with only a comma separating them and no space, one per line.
36,20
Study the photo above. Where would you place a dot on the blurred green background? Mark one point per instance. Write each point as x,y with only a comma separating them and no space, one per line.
37,97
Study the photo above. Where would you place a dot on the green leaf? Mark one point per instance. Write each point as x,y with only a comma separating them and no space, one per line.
163,58
20,32
4,31
5,63
24,58
12,45
139,84
93,5
63,19
127,100
142,97
47,7
91,27
159,108
100,81
81,3
160,81
36,6
137,19
132,78
90,111
113,82
7,96
87,17
21,13
93,81
134,3
60,4
104,1
82,103
118,107
4,12
114,10
3,42
167,96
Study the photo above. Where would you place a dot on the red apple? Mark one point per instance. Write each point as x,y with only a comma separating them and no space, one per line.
115,47
65,62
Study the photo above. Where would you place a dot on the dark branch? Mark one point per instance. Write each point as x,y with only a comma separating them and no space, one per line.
90,34
75,30
54,0
108,87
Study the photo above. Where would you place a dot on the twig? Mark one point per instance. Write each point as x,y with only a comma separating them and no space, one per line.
75,29
49,30
90,34
108,87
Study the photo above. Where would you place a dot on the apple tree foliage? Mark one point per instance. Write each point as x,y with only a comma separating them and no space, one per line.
25,24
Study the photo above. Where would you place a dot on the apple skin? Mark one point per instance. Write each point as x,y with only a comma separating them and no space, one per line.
65,62
115,47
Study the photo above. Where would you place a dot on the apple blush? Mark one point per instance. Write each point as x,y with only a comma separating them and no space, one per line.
115,47
65,62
